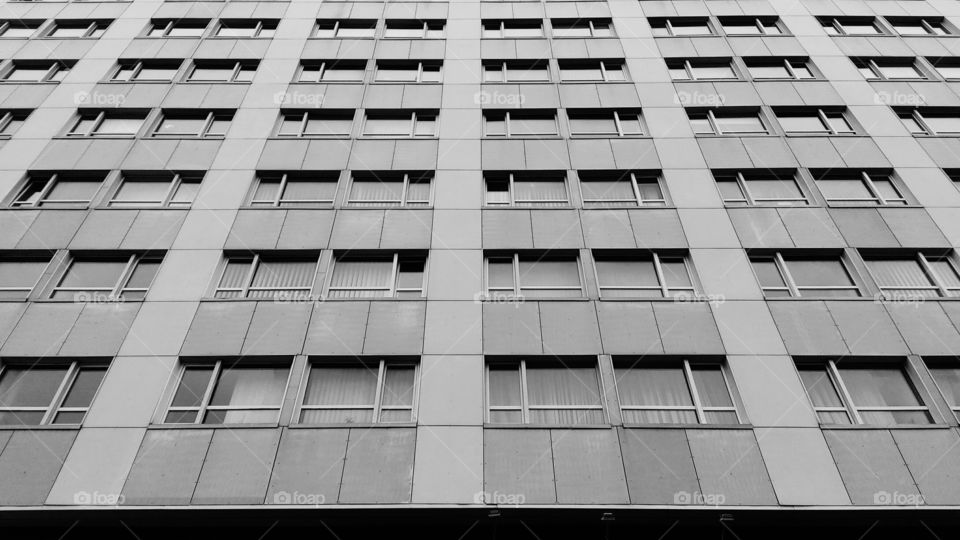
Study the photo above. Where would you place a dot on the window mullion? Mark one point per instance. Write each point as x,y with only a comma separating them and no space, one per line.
872,188
659,270
165,201
47,188
208,392
405,189
789,68
413,124
712,118
60,394
124,276
207,125
248,281
636,189
743,188
785,274
616,121
395,275
280,189
834,374
934,277
688,373
303,124
826,121
378,397
516,274
524,396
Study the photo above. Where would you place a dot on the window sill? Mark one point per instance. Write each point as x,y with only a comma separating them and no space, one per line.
218,82
309,138
687,426
94,301
398,83
609,136
527,207
134,81
214,426
188,137
395,137
731,135
593,82
487,299
140,207
55,38
720,80
487,425
820,298
841,206
45,427
342,38
325,82
29,82
671,299
238,37
92,137
290,207
877,426
839,135
935,135
523,138
364,425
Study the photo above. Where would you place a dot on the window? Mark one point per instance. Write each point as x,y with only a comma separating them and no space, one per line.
346,29
516,71
390,188
682,392
946,374
58,190
726,122
146,70
300,188
915,275
36,71
416,29
400,124
592,70
20,273
853,188
228,392
930,120
48,392
375,391
698,69
583,28
779,68
760,187
851,26
919,26
11,121
605,123
107,123
373,275
332,71
948,67
803,276
621,188
523,123
751,26
541,188
317,123
879,69
193,124
407,71
186,28
646,275
680,26
221,71
513,28
267,275
21,29
169,190
77,29
809,121
552,392
862,394
246,28
533,275
107,278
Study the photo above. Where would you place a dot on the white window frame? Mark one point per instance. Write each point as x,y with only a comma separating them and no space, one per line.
27,291
322,69
203,133
234,72
247,287
749,200
604,76
204,407
91,28
711,118
114,292
502,29
503,67
403,194
98,121
412,134
278,201
7,118
306,118
336,29
66,384
758,22
665,290
257,29
841,29
518,288
796,291
390,291
137,67
877,196
791,68
507,132
590,24
511,193
56,66
425,28
525,406
919,119
926,25
634,179
851,409
171,24
49,183
937,284
417,80
7,24
879,75
687,65
698,407
824,117
668,27
377,407
618,125
175,181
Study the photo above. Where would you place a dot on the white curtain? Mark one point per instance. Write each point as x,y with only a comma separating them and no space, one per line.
345,386
375,192
362,278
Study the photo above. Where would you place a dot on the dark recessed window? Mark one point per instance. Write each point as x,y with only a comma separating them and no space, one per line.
48,391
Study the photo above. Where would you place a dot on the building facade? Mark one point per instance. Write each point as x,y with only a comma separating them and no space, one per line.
480,269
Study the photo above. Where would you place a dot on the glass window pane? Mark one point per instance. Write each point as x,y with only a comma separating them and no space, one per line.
361,278
562,386
898,273
843,188
769,72
820,388
774,188
945,271
549,273
84,387
607,190
141,191
802,124
181,126
818,273
93,274
768,273
944,124
504,386
714,72
74,191
711,387
653,387
398,386
880,387
21,274
309,190
948,379
613,273
142,275
284,275
676,274
740,124
332,385
33,386
193,386
250,386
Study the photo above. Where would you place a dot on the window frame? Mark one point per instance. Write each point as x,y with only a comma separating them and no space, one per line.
937,283
700,410
56,405
100,294
383,366
318,115
875,67
504,67
589,23
668,27
916,115
30,24
511,177
711,118
866,178
507,132
7,119
790,286
689,65
48,184
19,256
392,291
824,115
743,183
924,22
413,115
518,286
167,201
339,23
617,121
634,177
138,66
100,117
429,25
758,21
216,371
89,31
656,257
840,26
408,179
604,70
789,64
203,133
323,66
849,407
255,259
278,200
519,23
50,76
257,28
421,68
239,66
170,24
525,406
